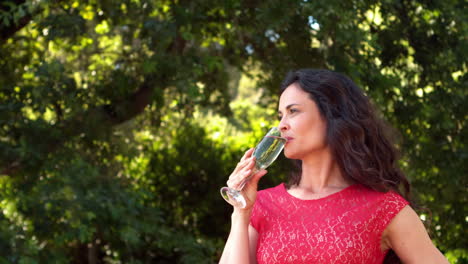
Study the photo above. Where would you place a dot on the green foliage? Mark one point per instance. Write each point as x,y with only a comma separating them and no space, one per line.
120,121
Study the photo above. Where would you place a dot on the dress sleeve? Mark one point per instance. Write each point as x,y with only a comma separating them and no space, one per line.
391,205
255,218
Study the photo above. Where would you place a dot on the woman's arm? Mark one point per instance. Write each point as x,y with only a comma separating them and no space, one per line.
242,242
407,236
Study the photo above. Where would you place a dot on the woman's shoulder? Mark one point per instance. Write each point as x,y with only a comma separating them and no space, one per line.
362,190
266,200
271,194
385,204
272,190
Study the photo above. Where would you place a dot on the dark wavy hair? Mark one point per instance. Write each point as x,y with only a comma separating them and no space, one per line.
359,140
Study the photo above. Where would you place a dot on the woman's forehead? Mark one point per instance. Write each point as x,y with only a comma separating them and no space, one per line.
293,94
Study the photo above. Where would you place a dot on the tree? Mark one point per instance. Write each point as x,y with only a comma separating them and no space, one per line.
96,96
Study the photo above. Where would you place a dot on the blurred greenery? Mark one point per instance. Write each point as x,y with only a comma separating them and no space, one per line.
121,120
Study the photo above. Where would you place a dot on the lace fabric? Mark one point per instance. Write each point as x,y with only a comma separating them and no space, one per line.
344,227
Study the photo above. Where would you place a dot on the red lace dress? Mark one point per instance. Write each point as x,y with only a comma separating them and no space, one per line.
344,227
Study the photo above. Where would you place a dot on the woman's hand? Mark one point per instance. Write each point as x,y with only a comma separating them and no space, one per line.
242,172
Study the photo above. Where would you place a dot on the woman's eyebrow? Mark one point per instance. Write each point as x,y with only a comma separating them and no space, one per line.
287,107
291,105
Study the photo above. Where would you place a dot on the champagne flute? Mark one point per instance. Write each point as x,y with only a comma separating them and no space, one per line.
265,153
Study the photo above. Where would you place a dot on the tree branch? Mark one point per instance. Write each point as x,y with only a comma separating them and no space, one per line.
91,121
7,32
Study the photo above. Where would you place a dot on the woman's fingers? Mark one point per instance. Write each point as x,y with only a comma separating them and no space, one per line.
244,161
256,177
242,172
247,154
244,167
235,182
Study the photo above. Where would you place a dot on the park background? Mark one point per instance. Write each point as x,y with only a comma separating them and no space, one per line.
120,120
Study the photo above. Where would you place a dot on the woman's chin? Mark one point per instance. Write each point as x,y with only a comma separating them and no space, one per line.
291,155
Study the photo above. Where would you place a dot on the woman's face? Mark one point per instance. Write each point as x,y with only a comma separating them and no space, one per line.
301,123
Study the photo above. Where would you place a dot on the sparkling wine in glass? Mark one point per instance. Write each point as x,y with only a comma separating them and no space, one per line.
265,153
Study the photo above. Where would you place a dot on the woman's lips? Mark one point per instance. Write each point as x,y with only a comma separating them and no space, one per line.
288,139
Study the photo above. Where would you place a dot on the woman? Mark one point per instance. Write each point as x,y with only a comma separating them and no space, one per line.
344,204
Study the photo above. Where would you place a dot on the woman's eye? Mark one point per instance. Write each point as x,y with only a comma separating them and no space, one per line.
292,110
279,118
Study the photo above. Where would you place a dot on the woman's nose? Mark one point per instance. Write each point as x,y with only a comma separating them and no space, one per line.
283,125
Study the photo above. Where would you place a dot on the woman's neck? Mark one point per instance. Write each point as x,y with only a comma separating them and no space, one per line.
321,174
